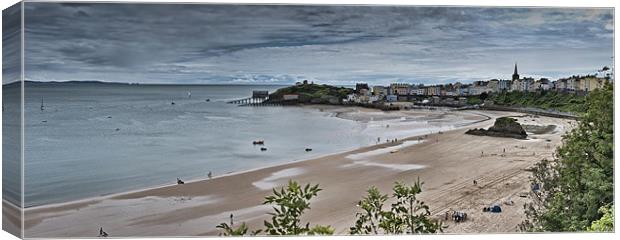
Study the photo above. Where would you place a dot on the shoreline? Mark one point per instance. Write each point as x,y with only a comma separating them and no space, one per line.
196,207
337,114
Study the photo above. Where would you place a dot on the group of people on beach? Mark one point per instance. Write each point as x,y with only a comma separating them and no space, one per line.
456,216
387,140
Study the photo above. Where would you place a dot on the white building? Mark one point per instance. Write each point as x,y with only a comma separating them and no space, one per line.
290,97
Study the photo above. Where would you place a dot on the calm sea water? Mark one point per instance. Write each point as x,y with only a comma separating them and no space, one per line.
97,139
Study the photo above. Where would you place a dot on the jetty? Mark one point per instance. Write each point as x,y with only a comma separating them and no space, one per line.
258,98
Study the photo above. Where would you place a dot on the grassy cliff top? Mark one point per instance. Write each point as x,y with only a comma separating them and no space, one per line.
307,92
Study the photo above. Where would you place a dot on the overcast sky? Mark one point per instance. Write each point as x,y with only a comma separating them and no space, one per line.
174,43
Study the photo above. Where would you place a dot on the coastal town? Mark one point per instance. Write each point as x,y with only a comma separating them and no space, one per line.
402,92
467,95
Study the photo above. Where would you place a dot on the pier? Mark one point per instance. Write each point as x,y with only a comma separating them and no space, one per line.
261,105
257,99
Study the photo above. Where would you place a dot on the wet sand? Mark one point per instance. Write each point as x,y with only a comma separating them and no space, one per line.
447,163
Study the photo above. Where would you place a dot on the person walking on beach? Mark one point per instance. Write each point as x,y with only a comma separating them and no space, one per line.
102,233
231,219
209,175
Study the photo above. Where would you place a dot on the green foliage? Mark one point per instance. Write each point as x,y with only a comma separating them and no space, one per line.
549,100
407,214
411,212
321,230
473,100
290,204
230,231
579,181
368,221
314,93
503,121
606,222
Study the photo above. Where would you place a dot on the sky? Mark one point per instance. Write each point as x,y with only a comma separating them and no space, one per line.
252,44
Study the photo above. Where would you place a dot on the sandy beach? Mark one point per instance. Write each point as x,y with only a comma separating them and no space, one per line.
447,163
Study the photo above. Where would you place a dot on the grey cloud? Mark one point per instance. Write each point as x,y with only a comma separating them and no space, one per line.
11,44
249,43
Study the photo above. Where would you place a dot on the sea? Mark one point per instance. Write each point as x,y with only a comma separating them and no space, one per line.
85,140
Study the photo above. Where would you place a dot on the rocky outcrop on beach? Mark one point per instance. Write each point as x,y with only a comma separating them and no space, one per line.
503,127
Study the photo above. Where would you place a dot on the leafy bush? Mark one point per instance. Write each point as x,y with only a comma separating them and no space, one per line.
368,221
577,183
229,230
290,204
606,222
407,215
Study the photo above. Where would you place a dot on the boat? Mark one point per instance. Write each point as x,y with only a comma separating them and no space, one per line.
259,142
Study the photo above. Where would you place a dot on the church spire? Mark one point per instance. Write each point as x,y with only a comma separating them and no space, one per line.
516,68
515,75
